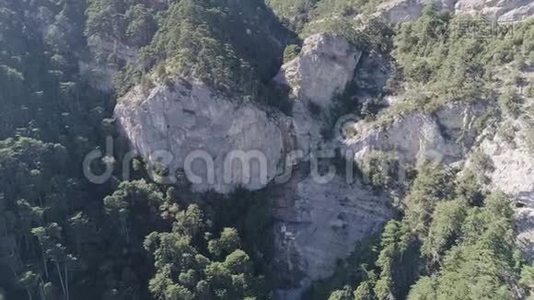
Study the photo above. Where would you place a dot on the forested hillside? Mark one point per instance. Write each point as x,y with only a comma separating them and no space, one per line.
64,237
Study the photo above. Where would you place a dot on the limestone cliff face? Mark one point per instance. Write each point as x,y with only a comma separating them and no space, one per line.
319,217
512,172
324,67
187,116
500,10
317,221
451,135
398,11
447,135
193,125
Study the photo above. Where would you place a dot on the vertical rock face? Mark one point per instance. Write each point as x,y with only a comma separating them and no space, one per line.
220,140
321,223
318,222
446,136
319,219
512,171
324,67
399,11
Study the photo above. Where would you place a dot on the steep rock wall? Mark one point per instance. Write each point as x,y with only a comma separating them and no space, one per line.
399,11
323,69
319,218
446,136
317,223
188,120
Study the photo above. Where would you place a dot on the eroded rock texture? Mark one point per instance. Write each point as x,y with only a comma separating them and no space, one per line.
398,11
188,120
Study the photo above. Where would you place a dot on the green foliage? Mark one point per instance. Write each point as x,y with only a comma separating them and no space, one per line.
220,43
380,169
527,276
131,22
445,229
432,185
446,59
365,289
398,261
344,294
449,245
297,14
511,101
185,271
132,205
291,52
294,13
352,270
424,289
63,238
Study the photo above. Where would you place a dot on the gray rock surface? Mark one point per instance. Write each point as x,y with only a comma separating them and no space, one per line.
512,173
321,223
323,68
317,223
399,11
500,10
445,136
187,120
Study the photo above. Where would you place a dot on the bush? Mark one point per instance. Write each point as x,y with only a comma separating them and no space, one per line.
380,169
291,52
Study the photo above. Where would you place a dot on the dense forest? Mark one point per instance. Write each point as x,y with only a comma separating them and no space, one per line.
63,237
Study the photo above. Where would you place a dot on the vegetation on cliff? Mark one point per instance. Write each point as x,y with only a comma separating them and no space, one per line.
62,237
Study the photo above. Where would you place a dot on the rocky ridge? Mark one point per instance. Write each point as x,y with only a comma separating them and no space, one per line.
318,223
313,219
188,124
398,11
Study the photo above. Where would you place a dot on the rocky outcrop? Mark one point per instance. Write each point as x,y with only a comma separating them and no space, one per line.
399,11
317,221
183,117
323,68
445,136
500,10
320,223
512,170
212,137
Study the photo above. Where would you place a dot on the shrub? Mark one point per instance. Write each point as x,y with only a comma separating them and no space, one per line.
291,52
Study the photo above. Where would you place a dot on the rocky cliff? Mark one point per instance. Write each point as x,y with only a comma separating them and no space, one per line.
319,217
189,127
398,11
